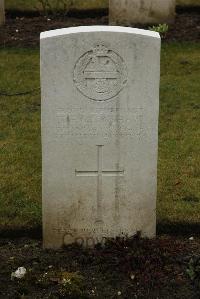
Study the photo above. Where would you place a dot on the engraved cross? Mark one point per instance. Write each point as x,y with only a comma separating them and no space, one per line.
99,173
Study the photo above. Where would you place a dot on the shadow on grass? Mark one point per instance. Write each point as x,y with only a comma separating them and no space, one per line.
34,232
179,229
73,13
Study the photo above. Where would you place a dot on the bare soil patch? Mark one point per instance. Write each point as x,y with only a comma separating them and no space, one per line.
23,30
135,268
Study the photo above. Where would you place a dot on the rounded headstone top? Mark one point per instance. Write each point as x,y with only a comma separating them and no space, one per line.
86,29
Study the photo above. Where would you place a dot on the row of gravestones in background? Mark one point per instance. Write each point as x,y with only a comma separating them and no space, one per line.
136,11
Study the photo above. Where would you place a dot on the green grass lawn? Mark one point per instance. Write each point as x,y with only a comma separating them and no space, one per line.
179,142
20,145
36,4
20,195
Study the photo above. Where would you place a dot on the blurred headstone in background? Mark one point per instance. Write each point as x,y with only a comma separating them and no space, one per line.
128,12
2,12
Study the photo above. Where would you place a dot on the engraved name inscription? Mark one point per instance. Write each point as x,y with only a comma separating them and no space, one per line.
100,123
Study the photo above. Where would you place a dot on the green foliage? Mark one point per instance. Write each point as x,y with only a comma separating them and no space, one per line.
193,270
161,28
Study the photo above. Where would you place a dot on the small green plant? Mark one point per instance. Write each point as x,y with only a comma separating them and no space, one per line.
161,28
72,285
193,269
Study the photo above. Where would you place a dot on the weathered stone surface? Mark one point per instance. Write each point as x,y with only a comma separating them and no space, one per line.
127,12
2,12
100,104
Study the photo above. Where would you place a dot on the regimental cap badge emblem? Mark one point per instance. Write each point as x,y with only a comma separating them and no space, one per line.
100,74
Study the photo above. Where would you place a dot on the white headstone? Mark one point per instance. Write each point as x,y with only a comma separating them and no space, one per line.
100,105
2,12
128,12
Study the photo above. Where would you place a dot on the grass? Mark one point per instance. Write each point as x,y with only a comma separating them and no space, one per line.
188,2
20,139
25,5
179,143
